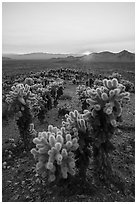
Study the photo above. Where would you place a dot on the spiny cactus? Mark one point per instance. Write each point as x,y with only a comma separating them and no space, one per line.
76,124
101,120
36,87
81,91
105,107
54,153
108,98
22,103
74,120
22,94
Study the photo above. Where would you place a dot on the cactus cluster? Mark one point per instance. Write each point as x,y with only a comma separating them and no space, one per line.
22,96
81,92
21,93
75,122
108,98
54,85
55,150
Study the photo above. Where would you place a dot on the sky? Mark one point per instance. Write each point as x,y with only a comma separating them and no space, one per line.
68,27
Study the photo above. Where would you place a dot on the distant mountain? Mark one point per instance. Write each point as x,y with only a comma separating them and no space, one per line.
38,56
123,56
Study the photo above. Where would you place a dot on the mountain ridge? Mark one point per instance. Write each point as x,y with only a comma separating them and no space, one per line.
104,56
38,56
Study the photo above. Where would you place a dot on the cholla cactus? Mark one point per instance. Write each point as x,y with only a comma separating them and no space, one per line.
22,102
105,107
108,98
54,88
75,121
36,87
44,98
22,94
54,152
76,124
81,92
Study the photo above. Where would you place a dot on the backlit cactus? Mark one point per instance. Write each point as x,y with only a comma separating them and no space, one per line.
23,103
75,121
76,124
36,87
108,98
21,93
55,149
101,119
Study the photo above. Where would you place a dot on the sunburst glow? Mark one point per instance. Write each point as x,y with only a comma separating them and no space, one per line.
87,53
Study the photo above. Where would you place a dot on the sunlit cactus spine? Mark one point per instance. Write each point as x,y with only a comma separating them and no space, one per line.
108,98
21,102
74,120
54,153
105,108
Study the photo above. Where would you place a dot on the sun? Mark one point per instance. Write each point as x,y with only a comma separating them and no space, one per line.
87,53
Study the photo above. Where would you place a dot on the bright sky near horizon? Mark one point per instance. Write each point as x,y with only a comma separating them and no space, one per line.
68,27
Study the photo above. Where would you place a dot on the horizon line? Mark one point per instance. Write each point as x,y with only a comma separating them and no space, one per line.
63,53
